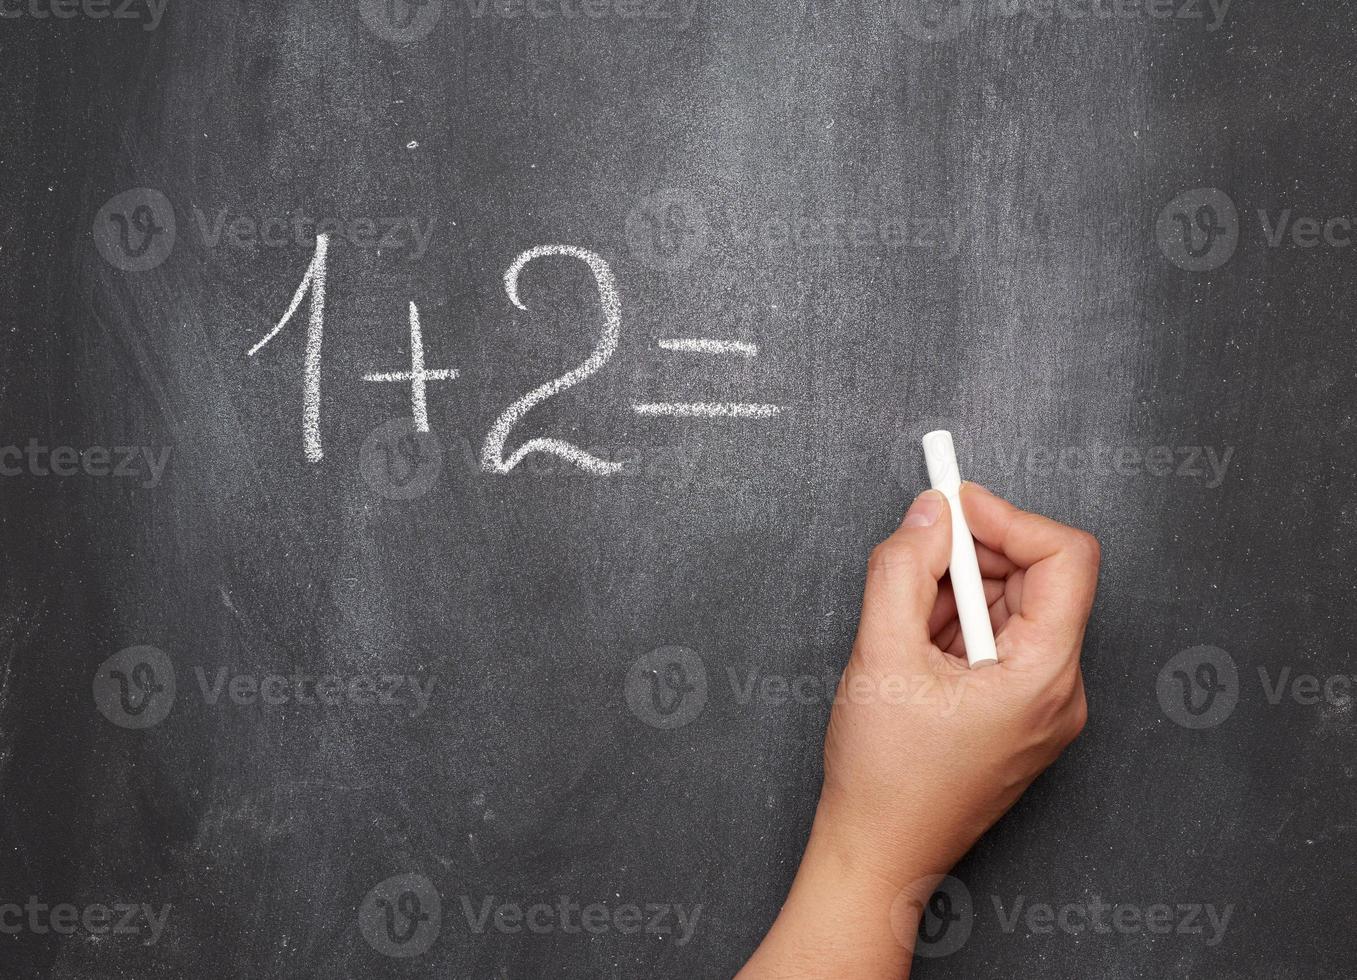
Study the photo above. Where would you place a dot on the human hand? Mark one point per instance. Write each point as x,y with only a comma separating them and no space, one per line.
923,754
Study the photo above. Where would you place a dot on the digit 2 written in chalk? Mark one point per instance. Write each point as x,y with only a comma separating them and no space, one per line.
492,452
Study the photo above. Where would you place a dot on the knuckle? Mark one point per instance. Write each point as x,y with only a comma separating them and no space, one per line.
1087,548
893,558
1062,690
1078,718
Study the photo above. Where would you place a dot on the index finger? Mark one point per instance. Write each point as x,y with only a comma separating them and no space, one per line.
1060,562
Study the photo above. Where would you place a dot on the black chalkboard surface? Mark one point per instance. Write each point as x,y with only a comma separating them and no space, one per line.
292,687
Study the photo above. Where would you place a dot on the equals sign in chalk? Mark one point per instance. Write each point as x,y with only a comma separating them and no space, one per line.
713,410
704,345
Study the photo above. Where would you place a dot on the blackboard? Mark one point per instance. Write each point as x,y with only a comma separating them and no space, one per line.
293,689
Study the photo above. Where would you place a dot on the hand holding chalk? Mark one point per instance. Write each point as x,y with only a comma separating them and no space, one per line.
972,609
923,754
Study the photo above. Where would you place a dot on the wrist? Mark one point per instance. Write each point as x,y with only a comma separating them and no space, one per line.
897,850
844,916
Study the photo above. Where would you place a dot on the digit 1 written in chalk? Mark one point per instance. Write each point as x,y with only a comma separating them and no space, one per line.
314,281
967,586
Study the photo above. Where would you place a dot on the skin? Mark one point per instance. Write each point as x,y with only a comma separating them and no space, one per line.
912,782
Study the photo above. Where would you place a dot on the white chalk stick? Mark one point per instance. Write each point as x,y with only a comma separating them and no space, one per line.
972,609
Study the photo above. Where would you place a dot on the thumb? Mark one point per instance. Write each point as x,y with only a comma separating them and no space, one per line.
903,573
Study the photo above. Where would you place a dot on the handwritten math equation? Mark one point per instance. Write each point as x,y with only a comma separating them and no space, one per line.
419,376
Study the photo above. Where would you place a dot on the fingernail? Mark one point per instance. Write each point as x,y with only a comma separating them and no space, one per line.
924,511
